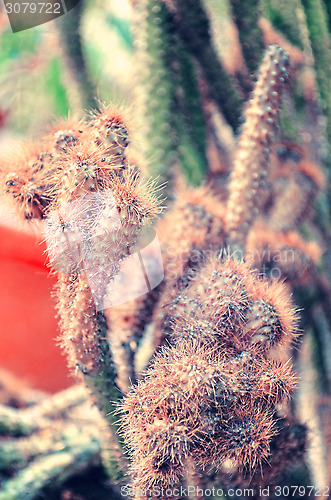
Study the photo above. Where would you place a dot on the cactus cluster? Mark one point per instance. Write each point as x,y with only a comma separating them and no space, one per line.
95,204
211,395
193,379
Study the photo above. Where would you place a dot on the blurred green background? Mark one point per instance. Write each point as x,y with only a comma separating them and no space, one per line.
35,86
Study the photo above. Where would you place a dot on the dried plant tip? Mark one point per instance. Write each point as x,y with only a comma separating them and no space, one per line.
26,181
64,139
109,129
277,381
253,150
79,172
214,303
271,318
262,323
66,135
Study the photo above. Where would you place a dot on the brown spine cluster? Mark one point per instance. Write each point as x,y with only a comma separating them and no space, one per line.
110,130
211,395
287,451
74,159
26,180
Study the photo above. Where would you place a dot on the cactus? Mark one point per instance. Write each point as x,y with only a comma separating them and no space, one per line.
195,382
250,34
219,383
252,153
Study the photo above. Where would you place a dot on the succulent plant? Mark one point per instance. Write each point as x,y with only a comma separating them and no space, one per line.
195,382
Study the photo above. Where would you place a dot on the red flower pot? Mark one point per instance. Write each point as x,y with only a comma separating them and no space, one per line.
28,327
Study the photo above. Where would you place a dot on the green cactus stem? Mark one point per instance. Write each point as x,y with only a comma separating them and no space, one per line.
78,451
283,16
189,117
19,452
192,24
320,42
155,89
18,423
79,86
89,354
246,15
